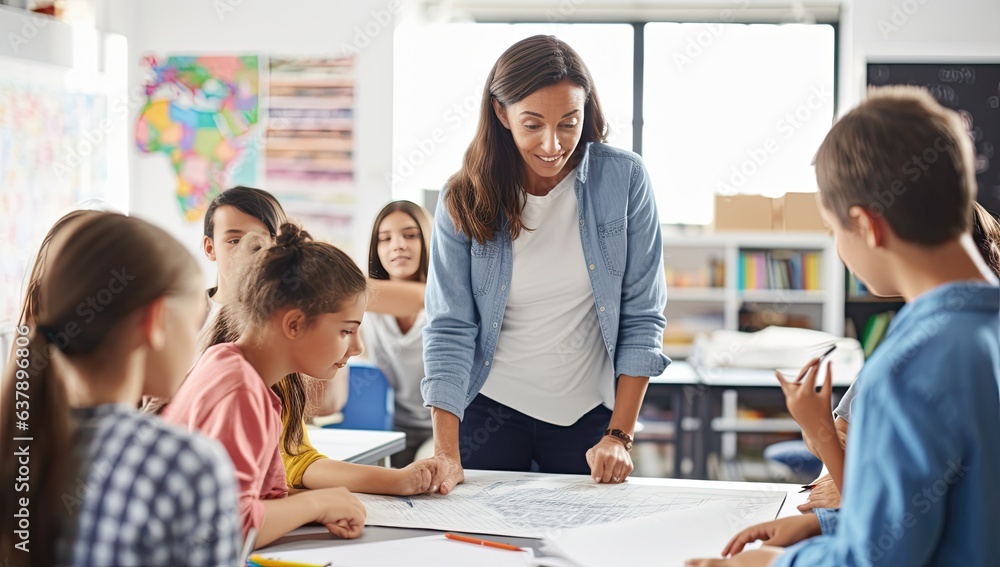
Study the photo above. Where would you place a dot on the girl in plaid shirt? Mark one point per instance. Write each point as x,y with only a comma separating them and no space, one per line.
112,312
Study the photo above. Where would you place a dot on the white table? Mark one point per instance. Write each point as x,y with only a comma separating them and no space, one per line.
357,446
311,537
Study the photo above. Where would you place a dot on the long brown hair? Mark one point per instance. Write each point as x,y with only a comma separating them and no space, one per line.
376,270
986,234
296,272
60,321
492,176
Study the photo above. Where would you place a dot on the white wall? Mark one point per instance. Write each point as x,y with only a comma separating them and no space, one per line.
300,28
902,29
916,30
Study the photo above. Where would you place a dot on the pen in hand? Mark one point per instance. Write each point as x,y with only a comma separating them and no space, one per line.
819,361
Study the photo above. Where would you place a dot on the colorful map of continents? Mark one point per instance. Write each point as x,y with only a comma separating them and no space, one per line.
201,112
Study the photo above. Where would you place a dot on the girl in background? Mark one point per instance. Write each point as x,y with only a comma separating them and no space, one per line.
298,309
112,311
393,333
235,213
239,224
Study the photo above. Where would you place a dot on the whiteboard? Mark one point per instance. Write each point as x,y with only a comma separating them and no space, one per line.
63,144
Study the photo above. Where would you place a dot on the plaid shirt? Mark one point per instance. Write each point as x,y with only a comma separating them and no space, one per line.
148,494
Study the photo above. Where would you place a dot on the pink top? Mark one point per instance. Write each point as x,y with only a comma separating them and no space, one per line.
225,398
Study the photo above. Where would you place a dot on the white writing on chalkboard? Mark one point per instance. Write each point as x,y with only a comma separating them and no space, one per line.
970,89
965,75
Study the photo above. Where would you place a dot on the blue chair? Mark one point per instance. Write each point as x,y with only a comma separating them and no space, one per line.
370,400
796,456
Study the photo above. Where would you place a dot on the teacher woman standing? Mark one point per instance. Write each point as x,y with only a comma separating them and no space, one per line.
546,282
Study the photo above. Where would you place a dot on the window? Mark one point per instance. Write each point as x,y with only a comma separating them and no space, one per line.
439,76
733,108
727,108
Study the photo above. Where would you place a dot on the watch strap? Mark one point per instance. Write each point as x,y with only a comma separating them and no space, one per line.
620,435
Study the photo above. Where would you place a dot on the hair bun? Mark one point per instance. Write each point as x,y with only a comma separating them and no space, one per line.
291,235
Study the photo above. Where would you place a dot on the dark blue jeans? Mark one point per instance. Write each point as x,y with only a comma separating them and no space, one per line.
493,436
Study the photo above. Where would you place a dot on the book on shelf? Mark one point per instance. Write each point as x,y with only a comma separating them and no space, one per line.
779,269
712,275
855,287
875,331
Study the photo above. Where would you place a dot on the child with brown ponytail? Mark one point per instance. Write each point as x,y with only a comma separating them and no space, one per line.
298,308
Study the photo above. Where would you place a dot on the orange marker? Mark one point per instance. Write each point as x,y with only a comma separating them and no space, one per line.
487,543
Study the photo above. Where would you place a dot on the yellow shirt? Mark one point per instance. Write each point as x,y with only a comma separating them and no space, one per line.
296,465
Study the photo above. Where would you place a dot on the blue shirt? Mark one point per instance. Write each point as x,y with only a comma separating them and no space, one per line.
468,282
923,459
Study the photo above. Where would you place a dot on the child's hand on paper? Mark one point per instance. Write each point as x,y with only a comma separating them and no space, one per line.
340,511
762,557
414,478
824,494
448,473
781,533
811,409
609,461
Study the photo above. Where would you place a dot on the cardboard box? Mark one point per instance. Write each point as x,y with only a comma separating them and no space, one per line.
745,212
800,213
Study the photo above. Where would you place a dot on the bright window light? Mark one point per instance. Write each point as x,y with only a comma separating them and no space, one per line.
440,71
733,108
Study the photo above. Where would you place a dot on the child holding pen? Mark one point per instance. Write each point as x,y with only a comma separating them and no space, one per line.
824,491
925,454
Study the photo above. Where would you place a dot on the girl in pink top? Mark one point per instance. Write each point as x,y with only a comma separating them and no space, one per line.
299,307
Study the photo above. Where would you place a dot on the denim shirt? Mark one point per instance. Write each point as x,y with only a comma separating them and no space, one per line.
468,282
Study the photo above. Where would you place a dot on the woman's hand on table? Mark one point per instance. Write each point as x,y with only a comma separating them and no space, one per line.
609,461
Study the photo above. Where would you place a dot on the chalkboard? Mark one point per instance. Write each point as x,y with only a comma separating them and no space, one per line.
971,89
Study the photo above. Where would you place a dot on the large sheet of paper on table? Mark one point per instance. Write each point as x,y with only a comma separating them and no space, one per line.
432,551
536,506
666,539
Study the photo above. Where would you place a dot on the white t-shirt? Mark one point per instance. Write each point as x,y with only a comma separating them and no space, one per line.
550,362
401,358
213,311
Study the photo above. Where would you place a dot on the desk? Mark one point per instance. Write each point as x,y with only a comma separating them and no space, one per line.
357,446
709,396
679,388
312,537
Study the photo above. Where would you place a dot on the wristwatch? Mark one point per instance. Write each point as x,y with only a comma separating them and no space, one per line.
620,435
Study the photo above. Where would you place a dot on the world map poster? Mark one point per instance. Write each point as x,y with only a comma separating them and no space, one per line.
201,113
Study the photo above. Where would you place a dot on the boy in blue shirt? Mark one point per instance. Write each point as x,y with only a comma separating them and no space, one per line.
897,182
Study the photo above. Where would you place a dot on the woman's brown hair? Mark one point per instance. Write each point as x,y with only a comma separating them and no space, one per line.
492,176
299,273
376,270
60,320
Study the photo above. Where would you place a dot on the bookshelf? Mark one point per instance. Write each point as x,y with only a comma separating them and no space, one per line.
709,287
867,316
